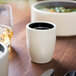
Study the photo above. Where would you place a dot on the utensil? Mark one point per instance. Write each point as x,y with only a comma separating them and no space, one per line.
71,73
48,72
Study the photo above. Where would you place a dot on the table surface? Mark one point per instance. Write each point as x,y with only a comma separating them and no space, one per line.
20,63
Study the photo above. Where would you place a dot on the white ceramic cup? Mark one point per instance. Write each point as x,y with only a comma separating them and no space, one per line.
3,60
41,42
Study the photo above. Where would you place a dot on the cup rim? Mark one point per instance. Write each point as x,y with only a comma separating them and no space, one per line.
5,51
27,26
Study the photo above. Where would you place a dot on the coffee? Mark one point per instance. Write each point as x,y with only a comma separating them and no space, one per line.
41,26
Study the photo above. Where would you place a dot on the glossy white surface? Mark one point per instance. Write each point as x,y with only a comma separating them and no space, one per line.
41,43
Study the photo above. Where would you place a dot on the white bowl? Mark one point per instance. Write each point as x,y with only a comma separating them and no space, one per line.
65,22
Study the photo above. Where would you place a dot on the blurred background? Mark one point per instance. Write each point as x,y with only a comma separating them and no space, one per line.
21,8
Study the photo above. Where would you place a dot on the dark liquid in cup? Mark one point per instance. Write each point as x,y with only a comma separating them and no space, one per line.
41,26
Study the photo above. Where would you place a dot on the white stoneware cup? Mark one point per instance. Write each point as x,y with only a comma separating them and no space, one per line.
41,37
3,60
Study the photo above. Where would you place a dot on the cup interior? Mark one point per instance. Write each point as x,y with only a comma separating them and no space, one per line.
1,48
41,26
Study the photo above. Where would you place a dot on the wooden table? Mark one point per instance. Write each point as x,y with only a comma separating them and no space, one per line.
20,64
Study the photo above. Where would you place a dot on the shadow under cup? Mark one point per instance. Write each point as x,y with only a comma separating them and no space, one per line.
41,37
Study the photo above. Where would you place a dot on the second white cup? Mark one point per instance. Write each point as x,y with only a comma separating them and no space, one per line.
41,38
4,62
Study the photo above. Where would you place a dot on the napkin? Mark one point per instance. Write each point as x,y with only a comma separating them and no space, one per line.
71,73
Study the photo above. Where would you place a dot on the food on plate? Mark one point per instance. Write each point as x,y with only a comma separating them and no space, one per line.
58,9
